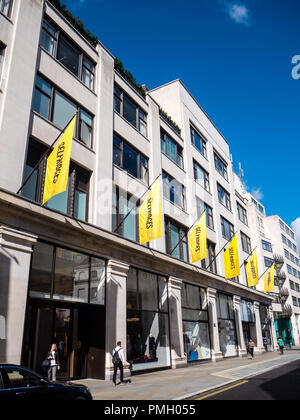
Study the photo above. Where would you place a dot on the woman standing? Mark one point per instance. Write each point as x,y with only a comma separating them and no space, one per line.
54,363
251,347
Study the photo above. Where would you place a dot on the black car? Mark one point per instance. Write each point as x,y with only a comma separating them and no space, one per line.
19,383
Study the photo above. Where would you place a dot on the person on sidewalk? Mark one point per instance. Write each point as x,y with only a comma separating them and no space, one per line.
251,346
281,345
119,362
54,363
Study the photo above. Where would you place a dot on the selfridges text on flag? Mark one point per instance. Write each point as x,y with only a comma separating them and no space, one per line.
252,270
231,260
198,240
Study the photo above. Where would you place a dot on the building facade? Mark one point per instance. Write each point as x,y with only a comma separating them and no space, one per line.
72,271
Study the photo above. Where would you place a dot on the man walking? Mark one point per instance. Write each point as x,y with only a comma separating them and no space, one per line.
281,345
119,362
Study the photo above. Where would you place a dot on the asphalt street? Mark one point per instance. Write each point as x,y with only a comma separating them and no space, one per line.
282,384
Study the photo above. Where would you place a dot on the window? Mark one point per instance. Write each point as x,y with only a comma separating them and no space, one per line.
67,53
2,54
268,262
224,197
56,107
129,159
170,148
176,233
201,207
201,177
246,243
198,142
173,191
267,246
74,201
242,213
221,166
5,7
21,378
122,204
126,107
210,262
226,324
227,229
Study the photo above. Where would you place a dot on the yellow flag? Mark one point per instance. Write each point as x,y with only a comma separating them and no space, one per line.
252,270
58,164
150,216
231,260
270,279
198,240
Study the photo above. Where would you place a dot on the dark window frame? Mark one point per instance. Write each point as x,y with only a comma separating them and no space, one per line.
179,149
203,141
231,228
10,7
226,195
206,185
182,233
221,166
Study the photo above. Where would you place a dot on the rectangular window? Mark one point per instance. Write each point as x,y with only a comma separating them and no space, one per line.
170,148
224,197
176,233
242,213
227,229
5,7
210,262
67,53
173,191
201,176
201,207
2,55
246,243
129,110
123,203
56,107
268,262
198,142
129,159
267,246
221,166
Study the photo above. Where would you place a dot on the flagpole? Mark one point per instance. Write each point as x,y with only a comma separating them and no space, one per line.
185,235
265,272
220,252
250,255
44,155
131,210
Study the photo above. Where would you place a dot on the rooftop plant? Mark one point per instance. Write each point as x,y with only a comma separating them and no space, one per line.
129,77
170,121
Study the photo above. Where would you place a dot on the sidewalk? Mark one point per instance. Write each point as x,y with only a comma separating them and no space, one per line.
186,382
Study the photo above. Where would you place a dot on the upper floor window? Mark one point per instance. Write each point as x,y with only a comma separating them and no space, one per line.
176,240
198,142
227,229
221,166
129,159
5,7
210,262
201,207
56,107
246,243
224,197
242,213
123,203
126,107
173,191
267,246
268,262
74,201
201,176
2,54
170,148
67,53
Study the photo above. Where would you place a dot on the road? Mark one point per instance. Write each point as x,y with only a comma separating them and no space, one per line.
282,384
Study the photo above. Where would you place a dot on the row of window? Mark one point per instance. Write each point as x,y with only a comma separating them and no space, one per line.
295,286
267,246
289,243
293,271
296,301
291,257
286,229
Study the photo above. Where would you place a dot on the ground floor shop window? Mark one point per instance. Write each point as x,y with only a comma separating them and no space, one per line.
226,324
265,328
148,337
196,335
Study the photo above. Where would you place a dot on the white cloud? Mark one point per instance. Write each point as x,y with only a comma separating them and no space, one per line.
237,11
296,227
257,193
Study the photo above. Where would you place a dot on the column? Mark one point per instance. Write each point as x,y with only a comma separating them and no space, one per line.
273,329
179,359
116,318
213,321
259,340
239,326
15,258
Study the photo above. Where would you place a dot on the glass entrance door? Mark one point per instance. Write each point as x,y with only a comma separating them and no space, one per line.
62,338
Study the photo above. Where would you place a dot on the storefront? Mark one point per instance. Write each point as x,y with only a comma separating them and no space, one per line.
248,321
226,324
196,335
148,336
66,306
265,328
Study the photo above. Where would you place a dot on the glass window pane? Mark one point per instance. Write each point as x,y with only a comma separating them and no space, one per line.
87,78
174,239
129,111
223,307
71,276
80,202
48,42
196,341
59,202
63,110
130,158
193,297
86,121
227,335
129,225
148,291
132,289
5,6
163,294
41,271
171,149
68,56
41,103
44,86
97,287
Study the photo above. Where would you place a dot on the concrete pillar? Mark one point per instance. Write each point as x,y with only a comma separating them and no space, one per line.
213,321
176,327
259,339
116,319
242,350
15,258
273,329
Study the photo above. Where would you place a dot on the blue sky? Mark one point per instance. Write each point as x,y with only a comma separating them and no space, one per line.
235,56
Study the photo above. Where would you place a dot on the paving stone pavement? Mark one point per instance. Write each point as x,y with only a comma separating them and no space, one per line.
186,382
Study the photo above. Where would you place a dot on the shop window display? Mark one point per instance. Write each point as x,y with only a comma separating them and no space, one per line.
226,324
148,342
